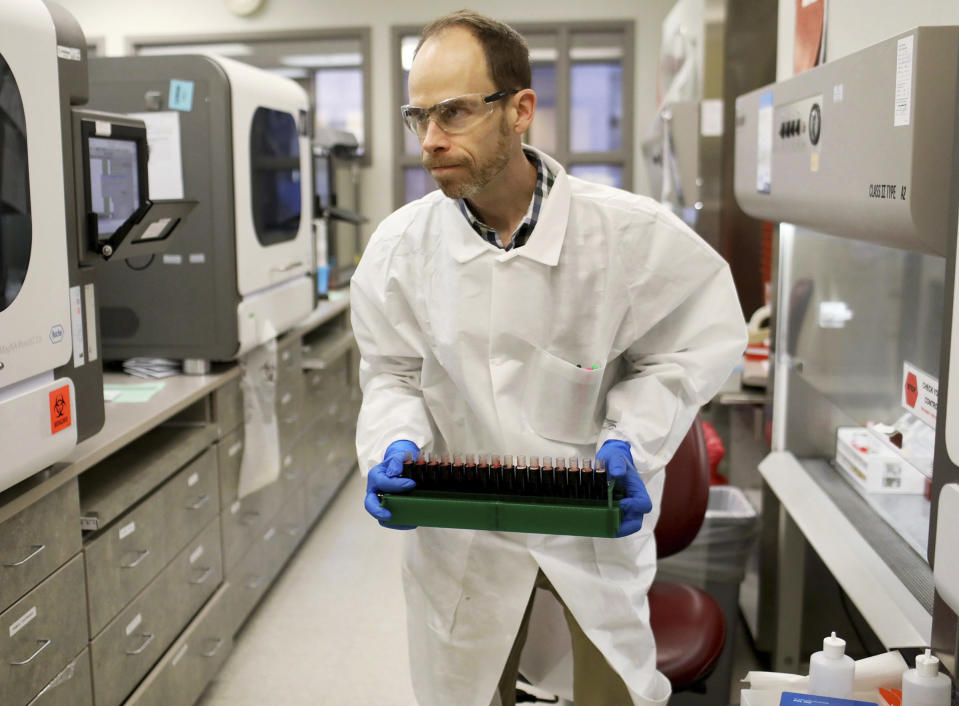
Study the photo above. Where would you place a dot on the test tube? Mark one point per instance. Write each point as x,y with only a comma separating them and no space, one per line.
600,479
586,478
457,472
408,465
535,484
522,475
572,474
509,474
497,482
549,482
432,470
470,473
446,473
419,466
562,482
482,473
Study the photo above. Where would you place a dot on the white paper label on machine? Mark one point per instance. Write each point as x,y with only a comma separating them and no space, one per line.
920,393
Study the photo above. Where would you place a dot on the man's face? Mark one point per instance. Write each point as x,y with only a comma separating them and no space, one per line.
453,64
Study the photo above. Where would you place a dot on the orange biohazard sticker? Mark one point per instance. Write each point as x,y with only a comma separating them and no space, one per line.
60,409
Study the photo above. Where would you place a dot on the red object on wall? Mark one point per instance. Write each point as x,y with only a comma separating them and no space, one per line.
715,449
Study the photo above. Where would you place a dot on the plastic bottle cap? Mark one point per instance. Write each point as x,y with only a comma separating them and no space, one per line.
834,647
927,665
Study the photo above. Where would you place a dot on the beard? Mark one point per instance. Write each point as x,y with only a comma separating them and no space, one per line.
478,174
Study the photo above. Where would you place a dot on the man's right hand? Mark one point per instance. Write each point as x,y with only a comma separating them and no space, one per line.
385,478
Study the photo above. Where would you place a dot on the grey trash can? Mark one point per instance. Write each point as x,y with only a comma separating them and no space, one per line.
716,562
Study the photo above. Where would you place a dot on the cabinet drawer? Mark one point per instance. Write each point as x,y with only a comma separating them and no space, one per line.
38,540
73,686
130,645
229,455
41,632
194,499
125,557
111,487
249,579
228,407
243,520
190,663
290,417
320,489
293,468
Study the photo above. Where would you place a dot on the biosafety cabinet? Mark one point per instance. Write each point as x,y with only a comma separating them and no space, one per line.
235,138
858,160
73,190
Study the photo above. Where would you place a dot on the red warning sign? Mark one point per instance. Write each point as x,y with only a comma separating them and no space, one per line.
912,389
60,409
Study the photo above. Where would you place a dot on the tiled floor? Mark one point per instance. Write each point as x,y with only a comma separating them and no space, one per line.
332,630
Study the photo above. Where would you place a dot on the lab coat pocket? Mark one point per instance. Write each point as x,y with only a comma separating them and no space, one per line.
561,399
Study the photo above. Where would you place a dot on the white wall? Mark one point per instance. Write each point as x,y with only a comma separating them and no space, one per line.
114,20
852,25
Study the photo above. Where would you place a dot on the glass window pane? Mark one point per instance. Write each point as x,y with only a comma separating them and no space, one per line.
16,222
411,145
339,100
275,166
418,183
596,110
609,174
542,132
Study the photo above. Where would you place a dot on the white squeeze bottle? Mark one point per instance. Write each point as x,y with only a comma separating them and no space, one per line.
831,672
924,685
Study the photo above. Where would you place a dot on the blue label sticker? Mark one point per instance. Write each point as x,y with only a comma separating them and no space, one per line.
181,95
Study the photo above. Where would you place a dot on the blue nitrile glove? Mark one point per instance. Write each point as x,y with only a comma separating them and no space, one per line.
384,478
620,467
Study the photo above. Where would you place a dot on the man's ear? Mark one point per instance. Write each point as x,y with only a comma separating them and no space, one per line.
524,105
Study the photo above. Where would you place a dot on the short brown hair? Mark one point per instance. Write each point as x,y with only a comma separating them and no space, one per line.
507,54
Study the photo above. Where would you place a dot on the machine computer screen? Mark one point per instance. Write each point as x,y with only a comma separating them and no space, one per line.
114,182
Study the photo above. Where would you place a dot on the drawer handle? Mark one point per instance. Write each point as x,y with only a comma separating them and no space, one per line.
292,475
201,501
45,644
37,548
142,554
146,643
292,531
249,517
202,579
219,644
256,582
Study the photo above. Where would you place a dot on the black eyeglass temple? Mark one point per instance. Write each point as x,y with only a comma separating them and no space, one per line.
493,97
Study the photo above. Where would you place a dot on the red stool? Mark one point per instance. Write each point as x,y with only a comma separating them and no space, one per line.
687,622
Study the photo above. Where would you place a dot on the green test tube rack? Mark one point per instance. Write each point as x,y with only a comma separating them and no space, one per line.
506,513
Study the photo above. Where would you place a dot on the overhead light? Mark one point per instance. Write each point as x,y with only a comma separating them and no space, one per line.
595,53
231,49
289,72
407,50
543,54
322,61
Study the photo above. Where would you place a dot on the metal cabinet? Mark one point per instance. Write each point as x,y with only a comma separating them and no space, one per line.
41,632
37,540
132,643
73,686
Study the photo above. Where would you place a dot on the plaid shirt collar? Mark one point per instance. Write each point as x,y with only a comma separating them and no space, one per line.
544,181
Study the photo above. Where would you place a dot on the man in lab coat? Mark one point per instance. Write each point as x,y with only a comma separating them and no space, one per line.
519,310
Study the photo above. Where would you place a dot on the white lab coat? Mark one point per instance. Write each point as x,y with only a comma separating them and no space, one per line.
467,348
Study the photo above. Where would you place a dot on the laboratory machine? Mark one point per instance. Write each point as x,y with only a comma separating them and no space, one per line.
73,191
237,139
858,160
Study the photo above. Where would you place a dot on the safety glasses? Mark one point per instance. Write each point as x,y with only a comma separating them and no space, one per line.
454,115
